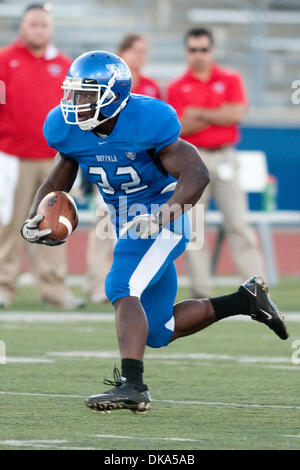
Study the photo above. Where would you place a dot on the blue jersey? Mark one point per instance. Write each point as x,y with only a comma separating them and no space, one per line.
124,165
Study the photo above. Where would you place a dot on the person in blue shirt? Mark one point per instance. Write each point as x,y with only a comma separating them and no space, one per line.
129,146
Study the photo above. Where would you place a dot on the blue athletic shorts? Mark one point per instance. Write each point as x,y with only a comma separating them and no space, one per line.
146,269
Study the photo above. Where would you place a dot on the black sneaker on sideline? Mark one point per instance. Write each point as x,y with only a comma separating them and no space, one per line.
263,308
123,395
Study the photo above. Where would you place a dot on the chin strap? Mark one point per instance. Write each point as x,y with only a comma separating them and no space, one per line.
89,126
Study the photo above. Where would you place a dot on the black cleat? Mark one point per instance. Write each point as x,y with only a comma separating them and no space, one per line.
123,395
262,307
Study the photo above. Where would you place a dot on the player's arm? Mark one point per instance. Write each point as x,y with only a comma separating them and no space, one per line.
61,178
183,161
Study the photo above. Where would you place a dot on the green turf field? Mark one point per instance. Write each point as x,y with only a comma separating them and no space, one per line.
232,386
286,294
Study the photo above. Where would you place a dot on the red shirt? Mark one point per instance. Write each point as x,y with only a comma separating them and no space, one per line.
147,86
33,87
223,86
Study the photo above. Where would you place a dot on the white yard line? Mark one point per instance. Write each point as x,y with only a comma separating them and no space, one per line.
289,316
200,364
44,445
91,317
170,358
38,441
56,317
86,354
26,279
210,364
50,395
79,448
295,368
176,402
173,356
28,360
239,405
112,436
296,436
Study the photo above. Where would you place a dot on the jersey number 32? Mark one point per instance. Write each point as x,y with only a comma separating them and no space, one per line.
128,187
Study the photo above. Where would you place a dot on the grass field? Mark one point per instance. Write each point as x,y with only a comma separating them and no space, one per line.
286,294
232,386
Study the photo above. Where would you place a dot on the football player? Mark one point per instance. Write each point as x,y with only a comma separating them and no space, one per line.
128,146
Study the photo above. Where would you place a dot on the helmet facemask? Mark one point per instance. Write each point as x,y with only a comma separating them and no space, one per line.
100,96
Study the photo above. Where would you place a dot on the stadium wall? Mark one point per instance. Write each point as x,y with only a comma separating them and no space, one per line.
282,148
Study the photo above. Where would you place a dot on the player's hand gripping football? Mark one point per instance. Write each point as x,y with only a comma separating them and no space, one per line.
145,225
31,233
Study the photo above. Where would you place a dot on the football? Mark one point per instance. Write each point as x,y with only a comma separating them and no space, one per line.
60,214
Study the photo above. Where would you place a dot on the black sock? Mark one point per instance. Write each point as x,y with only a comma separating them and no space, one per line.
232,304
133,370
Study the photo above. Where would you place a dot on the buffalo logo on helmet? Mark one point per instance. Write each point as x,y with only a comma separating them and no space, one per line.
121,71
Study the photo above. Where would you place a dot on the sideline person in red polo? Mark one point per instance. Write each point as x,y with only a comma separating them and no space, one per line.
210,102
32,70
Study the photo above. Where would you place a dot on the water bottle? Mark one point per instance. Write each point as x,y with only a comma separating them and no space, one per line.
269,196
